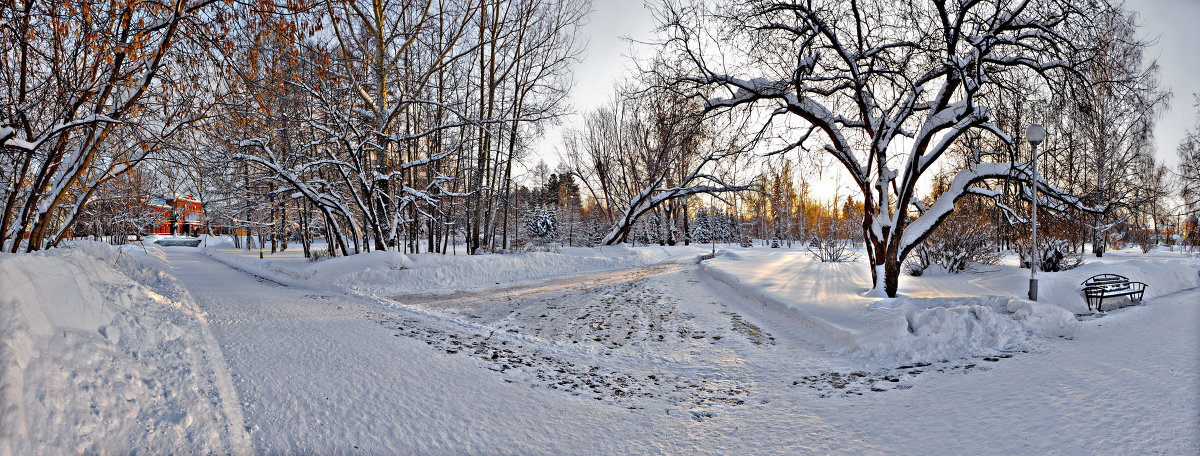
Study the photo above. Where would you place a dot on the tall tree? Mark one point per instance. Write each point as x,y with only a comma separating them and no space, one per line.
645,149
90,90
1111,118
883,87
1189,163
401,117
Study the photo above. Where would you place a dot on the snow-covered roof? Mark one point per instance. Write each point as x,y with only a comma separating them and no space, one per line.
181,196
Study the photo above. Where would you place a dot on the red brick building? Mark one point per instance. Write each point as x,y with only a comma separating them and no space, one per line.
177,214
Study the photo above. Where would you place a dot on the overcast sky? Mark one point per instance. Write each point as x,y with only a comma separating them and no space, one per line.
1173,24
604,62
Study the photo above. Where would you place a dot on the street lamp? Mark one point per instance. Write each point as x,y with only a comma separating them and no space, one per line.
712,228
1035,134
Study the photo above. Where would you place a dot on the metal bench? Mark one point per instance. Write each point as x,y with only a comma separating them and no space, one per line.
1101,286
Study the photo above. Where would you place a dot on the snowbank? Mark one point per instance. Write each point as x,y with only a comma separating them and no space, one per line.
224,240
933,329
104,351
939,315
382,274
1163,274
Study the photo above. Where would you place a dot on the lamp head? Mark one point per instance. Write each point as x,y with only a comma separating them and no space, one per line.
1035,134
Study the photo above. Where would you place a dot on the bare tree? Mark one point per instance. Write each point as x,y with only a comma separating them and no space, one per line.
91,89
1112,117
647,148
402,118
1189,164
884,88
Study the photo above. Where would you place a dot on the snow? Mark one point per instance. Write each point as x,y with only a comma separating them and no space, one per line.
104,352
938,316
597,351
381,274
17,143
319,378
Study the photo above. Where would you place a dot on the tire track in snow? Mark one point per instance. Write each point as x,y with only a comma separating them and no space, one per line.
239,435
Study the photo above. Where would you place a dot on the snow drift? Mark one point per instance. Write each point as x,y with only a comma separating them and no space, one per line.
103,351
933,329
382,274
939,315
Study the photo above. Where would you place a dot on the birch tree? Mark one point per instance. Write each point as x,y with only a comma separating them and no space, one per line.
397,112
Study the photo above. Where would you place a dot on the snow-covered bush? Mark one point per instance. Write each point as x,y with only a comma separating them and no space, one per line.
918,261
833,249
709,226
1053,254
834,241
1146,246
960,241
541,223
1140,237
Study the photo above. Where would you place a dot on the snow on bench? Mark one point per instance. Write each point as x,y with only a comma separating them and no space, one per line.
1101,286
172,242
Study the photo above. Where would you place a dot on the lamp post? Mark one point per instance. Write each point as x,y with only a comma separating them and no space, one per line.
1035,134
712,228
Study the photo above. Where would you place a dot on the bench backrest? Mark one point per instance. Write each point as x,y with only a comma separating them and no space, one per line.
1106,280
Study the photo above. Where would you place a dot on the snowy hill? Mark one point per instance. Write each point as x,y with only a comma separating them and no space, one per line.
104,352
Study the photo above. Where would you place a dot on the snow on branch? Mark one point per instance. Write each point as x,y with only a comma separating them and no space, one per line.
1053,198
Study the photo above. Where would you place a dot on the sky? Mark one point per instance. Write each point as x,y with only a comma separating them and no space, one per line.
1173,26
604,62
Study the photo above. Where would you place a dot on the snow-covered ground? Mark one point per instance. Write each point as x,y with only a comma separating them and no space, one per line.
103,351
938,315
585,351
386,273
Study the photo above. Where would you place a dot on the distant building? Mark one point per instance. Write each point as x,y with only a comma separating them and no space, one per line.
177,214
1190,231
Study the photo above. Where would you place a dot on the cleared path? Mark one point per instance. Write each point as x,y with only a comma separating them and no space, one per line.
316,376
